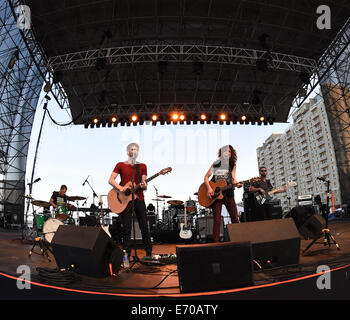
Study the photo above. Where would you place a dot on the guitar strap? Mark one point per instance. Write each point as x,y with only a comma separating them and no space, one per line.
138,171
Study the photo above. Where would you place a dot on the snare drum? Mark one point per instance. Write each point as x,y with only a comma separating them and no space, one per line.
50,228
61,213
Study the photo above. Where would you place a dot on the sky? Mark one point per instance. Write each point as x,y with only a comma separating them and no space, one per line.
70,154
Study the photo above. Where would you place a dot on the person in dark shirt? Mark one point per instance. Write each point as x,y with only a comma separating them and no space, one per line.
223,169
262,186
58,201
125,170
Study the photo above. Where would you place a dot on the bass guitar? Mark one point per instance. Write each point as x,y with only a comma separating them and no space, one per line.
185,231
261,199
218,188
119,201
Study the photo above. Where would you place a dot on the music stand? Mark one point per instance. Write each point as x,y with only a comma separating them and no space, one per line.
325,231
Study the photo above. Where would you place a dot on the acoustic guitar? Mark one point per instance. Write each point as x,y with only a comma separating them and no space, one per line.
119,201
218,188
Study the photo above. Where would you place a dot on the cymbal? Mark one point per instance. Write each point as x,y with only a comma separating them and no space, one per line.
41,203
175,202
164,197
74,198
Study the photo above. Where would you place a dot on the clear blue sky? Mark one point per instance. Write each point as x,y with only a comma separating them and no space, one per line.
67,155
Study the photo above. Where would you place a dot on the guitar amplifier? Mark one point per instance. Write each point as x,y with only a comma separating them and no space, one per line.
205,227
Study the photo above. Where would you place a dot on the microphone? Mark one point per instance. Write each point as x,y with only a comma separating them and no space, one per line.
36,180
321,178
86,180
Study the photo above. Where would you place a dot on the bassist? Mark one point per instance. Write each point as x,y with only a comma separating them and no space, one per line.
131,170
223,169
263,186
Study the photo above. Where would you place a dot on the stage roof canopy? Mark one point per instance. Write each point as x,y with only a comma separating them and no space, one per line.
126,56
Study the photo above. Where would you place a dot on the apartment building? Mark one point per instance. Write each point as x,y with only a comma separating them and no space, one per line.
303,153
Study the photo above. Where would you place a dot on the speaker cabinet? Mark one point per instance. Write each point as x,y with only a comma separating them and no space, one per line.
205,227
276,241
214,266
312,228
89,249
302,213
138,234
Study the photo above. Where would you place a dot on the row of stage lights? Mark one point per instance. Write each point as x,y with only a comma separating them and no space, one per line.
178,118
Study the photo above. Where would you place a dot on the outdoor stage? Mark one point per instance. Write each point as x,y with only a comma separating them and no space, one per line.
154,282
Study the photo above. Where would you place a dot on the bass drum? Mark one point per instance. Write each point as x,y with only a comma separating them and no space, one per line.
50,228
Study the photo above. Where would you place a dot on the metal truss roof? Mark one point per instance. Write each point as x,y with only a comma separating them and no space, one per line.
178,52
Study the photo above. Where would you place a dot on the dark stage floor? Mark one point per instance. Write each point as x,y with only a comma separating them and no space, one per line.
161,281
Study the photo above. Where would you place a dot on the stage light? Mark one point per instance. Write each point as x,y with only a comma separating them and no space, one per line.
134,118
243,117
262,119
175,116
154,117
95,120
182,117
114,119
203,117
223,117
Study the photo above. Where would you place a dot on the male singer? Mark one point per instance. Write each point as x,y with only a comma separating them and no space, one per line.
131,170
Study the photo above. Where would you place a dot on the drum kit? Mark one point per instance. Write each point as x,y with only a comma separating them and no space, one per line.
47,222
173,213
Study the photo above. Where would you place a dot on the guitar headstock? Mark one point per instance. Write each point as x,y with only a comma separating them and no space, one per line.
291,184
165,171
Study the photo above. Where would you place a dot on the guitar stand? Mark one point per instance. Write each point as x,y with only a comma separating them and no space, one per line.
43,248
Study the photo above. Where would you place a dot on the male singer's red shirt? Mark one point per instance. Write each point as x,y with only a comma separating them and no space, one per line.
126,170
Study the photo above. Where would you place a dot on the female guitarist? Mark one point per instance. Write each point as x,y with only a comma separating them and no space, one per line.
131,170
223,169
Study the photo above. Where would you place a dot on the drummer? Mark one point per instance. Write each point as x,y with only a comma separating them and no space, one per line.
59,200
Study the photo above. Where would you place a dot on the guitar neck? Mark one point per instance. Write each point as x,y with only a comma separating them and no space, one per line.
152,177
147,180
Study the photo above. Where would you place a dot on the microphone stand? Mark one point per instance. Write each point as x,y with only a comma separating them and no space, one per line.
135,257
157,202
326,231
93,192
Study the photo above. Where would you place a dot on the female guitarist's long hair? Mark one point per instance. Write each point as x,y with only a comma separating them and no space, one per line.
233,157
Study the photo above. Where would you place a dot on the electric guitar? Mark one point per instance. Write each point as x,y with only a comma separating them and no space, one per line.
119,201
185,231
218,187
268,195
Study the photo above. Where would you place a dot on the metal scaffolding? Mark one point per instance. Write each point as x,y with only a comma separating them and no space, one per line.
22,74
335,87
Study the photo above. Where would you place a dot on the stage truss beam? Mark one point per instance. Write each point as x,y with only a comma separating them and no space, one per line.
183,54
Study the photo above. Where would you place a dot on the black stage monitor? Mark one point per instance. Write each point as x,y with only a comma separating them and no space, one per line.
207,267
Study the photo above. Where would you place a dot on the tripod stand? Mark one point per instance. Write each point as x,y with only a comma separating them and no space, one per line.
327,236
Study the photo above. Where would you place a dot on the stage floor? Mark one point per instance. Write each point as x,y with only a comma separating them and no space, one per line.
156,281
